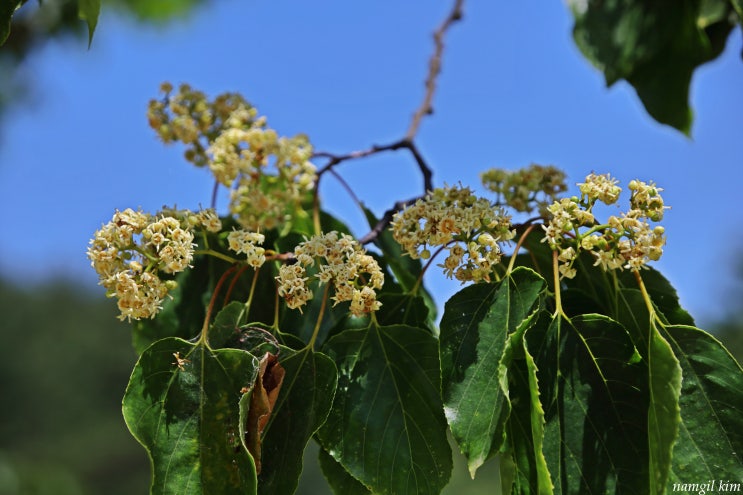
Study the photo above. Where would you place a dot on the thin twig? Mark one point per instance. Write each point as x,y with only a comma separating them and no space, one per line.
434,69
345,185
385,221
426,108
405,143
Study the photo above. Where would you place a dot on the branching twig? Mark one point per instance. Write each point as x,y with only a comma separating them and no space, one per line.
434,69
426,107
385,221
397,145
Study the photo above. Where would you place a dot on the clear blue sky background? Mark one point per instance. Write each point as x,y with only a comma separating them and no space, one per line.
514,90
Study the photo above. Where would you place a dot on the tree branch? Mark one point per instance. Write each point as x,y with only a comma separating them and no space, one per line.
425,108
385,221
434,68
405,143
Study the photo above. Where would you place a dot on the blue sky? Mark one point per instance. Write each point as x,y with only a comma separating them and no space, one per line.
514,90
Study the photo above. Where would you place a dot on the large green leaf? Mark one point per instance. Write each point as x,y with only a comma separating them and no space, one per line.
593,388
654,45
664,380
710,443
224,331
738,5
664,296
182,405
387,426
474,339
88,10
402,309
518,464
302,407
664,415
340,481
7,8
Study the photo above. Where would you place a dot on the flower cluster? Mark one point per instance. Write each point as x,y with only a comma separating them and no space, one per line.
627,241
242,241
187,116
337,259
268,175
452,217
130,251
528,189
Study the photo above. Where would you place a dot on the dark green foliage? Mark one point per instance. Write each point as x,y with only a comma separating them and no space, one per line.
387,427
655,46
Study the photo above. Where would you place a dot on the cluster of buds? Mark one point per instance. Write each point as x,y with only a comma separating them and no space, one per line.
131,250
528,189
187,116
627,241
334,258
244,242
268,176
471,228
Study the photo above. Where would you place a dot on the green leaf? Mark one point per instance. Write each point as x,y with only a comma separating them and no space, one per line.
182,405
710,443
664,381
518,464
593,389
542,478
475,356
387,426
88,10
402,309
738,6
162,10
7,9
664,296
226,326
302,407
655,46
338,478
664,416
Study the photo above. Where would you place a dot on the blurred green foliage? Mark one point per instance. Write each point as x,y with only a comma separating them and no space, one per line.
64,363
37,23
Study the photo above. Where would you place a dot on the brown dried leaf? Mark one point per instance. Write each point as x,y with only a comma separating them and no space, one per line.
262,401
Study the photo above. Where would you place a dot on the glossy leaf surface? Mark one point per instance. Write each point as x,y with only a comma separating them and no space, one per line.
710,442
387,427
475,328
593,389
182,405
306,396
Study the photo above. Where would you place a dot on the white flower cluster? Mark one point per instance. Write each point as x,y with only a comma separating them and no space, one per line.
627,241
338,259
244,242
470,227
129,251
268,176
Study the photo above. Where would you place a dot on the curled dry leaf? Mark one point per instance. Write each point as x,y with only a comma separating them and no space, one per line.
265,392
